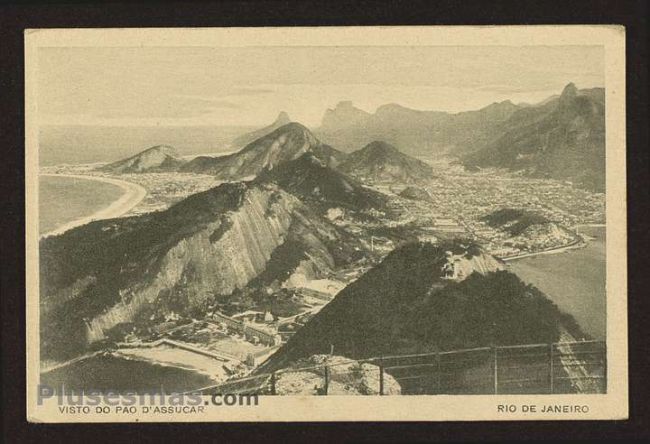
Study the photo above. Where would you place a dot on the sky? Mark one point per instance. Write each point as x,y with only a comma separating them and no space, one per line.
188,86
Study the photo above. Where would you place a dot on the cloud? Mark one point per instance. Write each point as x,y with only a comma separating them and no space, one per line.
219,104
251,92
179,106
236,92
514,89
214,101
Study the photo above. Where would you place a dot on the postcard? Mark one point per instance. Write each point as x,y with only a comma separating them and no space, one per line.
326,224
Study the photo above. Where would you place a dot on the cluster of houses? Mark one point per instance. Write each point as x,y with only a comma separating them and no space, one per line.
253,333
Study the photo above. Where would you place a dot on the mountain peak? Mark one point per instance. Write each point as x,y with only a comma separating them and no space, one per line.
562,137
380,161
343,115
282,119
283,144
569,91
295,129
309,177
424,296
504,103
379,147
156,158
243,140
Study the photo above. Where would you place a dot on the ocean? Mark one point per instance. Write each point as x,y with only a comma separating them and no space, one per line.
65,199
108,372
574,280
78,144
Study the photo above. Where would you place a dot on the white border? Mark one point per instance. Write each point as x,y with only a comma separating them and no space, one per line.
613,405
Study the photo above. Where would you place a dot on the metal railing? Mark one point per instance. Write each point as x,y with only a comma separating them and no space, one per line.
563,367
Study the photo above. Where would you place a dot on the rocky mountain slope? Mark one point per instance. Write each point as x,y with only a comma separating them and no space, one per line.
381,161
310,179
412,303
206,248
412,131
562,138
243,140
155,159
346,377
284,144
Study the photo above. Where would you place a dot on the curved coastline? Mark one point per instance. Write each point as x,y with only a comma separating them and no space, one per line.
580,241
575,281
577,243
133,195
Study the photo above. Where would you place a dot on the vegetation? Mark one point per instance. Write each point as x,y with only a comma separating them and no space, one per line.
514,221
311,180
382,161
402,306
496,309
115,253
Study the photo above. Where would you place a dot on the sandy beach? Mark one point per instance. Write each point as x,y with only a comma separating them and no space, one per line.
176,357
132,196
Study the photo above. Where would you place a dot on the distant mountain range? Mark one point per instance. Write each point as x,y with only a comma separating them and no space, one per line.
407,304
378,161
562,138
412,131
381,161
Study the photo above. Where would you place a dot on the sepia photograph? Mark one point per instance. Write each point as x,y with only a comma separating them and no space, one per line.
399,216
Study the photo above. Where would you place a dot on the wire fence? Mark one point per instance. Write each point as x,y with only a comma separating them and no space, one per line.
557,368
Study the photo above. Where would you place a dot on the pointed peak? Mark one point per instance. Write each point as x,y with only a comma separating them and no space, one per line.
282,119
294,129
570,90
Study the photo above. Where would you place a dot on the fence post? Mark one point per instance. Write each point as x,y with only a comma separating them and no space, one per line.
439,374
273,392
381,377
551,370
327,380
605,372
496,372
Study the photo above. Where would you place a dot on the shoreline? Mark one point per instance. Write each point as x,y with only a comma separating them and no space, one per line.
578,243
162,353
575,281
59,365
132,196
